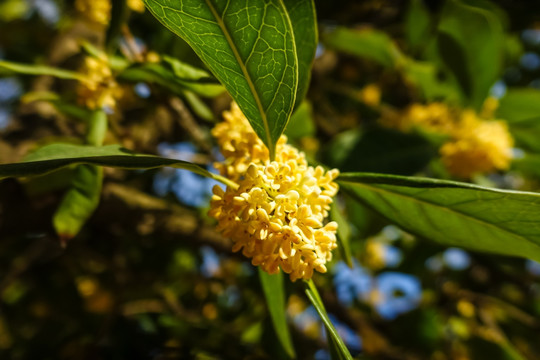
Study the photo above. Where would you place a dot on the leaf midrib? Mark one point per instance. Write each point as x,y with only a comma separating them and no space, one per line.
443,208
247,76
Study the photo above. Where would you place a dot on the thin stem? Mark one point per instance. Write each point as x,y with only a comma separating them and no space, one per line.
225,181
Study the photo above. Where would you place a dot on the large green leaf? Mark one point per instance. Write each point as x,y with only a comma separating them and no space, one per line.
304,24
453,213
56,156
249,46
469,37
273,288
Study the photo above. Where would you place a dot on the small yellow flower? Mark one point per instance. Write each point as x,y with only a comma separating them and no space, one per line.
99,89
477,147
96,11
276,215
371,95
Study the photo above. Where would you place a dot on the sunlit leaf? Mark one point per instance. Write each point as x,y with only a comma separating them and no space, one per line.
250,48
273,289
453,213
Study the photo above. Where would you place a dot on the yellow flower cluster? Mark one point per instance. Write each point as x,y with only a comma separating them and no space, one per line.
475,145
434,117
96,11
276,214
99,88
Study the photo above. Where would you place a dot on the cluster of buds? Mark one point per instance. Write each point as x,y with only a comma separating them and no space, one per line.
99,89
276,214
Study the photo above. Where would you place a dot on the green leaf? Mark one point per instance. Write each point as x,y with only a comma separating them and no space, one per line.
519,104
79,203
301,123
452,213
424,75
417,24
343,233
62,105
272,286
159,74
250,48
56,156
468,38
186,71
367,43
529,164
40,70
336,343
304,24
381,150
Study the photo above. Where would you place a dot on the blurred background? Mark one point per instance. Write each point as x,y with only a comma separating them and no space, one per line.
147,277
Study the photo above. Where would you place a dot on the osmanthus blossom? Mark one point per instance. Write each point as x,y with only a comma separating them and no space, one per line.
476,143
99,88
276,215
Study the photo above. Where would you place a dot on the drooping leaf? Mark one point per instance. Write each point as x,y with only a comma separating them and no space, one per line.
338,347
367,43
452,213
273,289
79,203
56,156
468,38
250,48
304,24
82,198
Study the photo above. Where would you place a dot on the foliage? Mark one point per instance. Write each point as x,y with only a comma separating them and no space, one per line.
429,114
